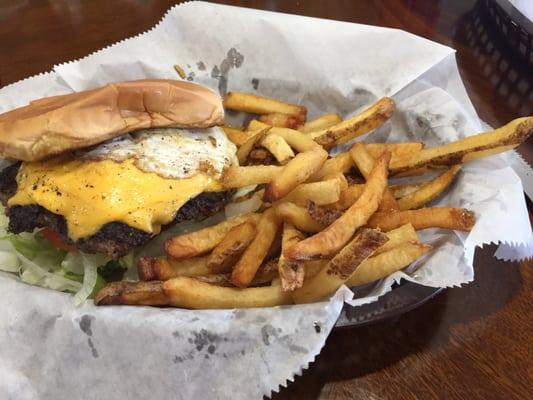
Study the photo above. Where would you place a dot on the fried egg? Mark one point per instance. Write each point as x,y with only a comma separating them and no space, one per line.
170,152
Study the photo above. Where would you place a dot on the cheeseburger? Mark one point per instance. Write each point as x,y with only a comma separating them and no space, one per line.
105,170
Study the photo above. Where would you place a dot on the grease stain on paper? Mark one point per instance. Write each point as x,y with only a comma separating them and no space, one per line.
220,72
85,326
269,334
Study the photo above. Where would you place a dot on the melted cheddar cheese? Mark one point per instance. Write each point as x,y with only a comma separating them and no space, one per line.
89,194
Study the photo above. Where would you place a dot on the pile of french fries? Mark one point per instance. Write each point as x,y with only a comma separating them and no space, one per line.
320,221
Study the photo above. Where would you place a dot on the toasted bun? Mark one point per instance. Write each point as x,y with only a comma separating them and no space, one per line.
56,124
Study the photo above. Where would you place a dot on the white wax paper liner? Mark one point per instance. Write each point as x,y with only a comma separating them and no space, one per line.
50,349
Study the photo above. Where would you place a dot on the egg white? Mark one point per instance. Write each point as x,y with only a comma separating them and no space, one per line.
170,152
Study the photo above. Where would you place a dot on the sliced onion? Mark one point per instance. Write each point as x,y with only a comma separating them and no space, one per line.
250,205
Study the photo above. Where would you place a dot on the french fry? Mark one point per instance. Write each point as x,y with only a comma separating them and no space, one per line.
429,191
191,293
321,193
334,165
132,293
296,171
403,234
237,177
178,68
187,292
164,268
323,215
228,251
341,267
398,150
204,240
252,103
386,263
402,190
278,147
292,121
267,272
237,136
362,123
350,195
323,122
343,182
336,235
365,163
246,268
291,273
298,216
343,161
246,147
313,267
459,219
296,139
470,148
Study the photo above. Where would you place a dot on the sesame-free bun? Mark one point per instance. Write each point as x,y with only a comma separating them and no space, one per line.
53,125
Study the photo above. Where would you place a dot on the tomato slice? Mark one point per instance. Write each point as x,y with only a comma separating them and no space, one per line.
57,241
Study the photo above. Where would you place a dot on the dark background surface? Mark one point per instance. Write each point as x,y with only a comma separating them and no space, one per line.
470,342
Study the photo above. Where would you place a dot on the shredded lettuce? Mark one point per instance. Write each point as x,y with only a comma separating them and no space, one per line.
39,263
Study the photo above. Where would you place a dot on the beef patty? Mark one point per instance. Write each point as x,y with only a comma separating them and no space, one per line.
115,239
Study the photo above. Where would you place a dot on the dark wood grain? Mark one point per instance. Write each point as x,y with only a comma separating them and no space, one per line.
470,342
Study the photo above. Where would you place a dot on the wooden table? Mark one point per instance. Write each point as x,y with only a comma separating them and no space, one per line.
471,342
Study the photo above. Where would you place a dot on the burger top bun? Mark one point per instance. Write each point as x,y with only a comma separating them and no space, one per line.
56,124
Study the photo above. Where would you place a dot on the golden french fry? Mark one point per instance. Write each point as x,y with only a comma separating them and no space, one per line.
246,147
132,293
429,191
215,279
178,68
334,165
228,251
246,268
362,123
201,241
191,293
405,233
323,215
339,269
342,162
323,122
296,171
267,272
365,163
322,192
298,216
398,150
187,292
237,136
164,268
384,264
350,195
470,148
313,267
402,190
278,147
296,139
283,120
343,182
336,235
237,177
459,219
252,103
291,273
